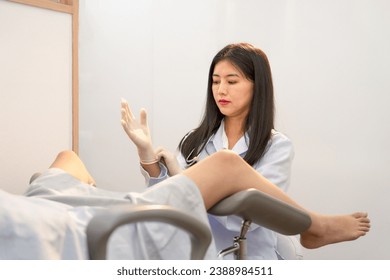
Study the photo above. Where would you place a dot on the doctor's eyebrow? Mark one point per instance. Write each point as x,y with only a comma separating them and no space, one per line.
229,75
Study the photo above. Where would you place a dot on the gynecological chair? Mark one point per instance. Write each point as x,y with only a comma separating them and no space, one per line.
251,205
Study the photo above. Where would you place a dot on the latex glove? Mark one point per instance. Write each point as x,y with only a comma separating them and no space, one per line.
138,133
169,159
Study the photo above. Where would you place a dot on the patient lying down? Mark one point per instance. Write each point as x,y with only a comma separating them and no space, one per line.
65,195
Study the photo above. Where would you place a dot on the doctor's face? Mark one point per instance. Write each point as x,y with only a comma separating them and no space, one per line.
232,91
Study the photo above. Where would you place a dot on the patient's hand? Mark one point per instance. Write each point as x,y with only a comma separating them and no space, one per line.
138,132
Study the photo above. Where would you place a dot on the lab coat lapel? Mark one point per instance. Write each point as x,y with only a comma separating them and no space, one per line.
216,140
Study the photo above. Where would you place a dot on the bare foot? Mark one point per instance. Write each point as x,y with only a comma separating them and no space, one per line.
332,229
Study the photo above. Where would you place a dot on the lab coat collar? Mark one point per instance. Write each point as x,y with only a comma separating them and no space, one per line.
241,147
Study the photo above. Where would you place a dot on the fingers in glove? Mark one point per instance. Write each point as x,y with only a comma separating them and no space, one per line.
126,112
143,117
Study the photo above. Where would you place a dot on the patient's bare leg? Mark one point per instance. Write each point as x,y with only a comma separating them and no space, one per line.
225,173
70,162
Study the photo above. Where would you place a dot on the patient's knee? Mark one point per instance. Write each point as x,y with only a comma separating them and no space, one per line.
227,157
67,154
64,158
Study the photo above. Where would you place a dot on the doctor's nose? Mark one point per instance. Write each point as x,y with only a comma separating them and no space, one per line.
222,90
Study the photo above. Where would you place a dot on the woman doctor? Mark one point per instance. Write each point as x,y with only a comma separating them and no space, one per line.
239,116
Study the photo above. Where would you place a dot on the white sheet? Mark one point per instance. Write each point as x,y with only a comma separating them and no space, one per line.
49,222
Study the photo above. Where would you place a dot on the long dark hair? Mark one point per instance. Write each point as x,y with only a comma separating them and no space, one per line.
260,121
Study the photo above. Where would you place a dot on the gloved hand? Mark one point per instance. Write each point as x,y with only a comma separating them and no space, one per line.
169,159
138,133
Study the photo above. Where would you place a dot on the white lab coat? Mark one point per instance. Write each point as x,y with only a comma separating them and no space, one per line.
275,165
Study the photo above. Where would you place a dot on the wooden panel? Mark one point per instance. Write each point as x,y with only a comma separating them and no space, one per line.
63,6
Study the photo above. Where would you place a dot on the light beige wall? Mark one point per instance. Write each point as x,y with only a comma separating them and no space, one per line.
35,90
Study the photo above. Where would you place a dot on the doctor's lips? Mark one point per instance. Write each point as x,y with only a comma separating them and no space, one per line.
223,101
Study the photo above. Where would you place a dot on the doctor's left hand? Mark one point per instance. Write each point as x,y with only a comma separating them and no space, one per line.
138,132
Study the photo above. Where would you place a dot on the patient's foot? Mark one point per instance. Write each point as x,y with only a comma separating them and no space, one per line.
332,229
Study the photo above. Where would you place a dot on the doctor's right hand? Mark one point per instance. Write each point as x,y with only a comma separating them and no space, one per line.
138,133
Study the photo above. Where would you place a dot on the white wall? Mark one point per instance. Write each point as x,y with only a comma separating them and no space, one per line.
35,91
330,66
